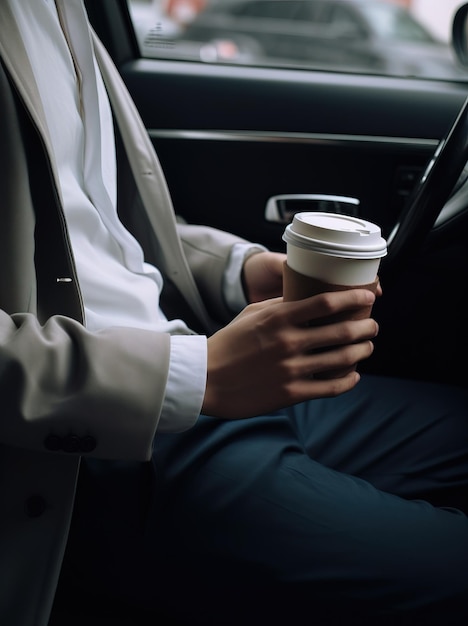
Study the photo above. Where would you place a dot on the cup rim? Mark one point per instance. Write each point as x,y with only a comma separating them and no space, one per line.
375,248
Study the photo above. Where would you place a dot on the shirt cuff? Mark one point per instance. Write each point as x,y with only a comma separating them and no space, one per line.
232,284
186,383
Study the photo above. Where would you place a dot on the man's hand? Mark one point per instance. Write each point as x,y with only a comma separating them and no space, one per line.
262,276
266,358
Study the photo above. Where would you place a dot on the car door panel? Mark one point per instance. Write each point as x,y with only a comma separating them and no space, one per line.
229,138
236,137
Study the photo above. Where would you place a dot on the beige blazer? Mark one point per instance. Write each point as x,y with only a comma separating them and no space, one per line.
66,392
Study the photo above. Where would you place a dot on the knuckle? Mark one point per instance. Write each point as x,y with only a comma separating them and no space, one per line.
284,345
348,332
328,303
349,356
353,330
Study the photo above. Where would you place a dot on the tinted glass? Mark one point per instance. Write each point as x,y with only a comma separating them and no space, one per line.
396,25
280,9
388,37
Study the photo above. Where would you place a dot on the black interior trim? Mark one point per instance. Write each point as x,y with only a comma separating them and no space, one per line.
402,143
234,98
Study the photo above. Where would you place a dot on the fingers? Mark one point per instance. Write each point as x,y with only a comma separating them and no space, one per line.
343,333
343,358
308,389
270,356
327,374
328,305
286,326
331,350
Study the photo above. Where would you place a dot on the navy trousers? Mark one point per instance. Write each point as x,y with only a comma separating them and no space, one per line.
351,510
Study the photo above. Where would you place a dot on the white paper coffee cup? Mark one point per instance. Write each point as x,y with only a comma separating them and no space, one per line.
333,248
331,252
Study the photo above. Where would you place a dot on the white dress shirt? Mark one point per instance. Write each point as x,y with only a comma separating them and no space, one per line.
118,287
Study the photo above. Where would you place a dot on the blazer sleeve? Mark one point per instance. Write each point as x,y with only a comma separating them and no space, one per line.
207,251
100,391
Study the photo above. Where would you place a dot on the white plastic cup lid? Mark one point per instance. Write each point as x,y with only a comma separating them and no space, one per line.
336,235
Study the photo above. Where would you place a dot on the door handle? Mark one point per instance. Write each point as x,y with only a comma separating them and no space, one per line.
282,208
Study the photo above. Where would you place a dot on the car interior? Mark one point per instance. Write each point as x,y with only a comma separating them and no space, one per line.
232,138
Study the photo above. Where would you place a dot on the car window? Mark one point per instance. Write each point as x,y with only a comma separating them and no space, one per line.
344,20
386,37
281,9
397,25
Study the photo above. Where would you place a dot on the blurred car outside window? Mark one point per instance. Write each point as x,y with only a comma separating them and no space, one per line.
384,37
